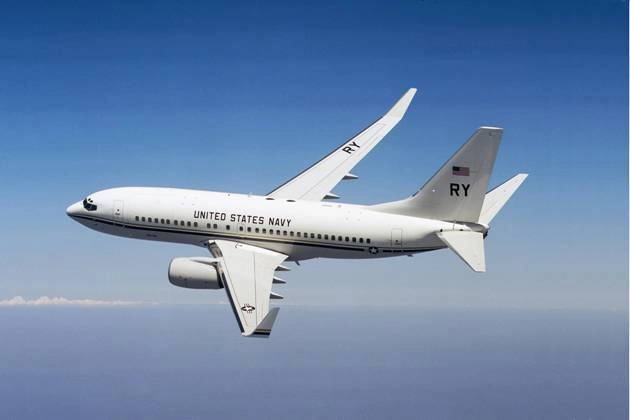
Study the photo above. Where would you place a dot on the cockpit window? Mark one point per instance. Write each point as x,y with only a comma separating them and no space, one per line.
89,205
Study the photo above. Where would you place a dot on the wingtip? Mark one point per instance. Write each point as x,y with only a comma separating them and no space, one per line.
399,109
263,330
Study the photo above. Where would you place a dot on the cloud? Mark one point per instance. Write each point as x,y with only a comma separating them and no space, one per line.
62,301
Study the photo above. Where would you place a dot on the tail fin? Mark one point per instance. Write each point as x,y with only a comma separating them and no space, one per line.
456,192
496,199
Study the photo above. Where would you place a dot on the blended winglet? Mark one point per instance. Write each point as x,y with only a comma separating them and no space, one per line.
400,107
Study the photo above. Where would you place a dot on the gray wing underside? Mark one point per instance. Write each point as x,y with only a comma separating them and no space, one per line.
247,274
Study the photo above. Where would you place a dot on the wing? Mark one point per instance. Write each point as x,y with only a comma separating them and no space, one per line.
247,273
316,182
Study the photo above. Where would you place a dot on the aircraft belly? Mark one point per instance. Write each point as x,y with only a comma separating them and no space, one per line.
304,252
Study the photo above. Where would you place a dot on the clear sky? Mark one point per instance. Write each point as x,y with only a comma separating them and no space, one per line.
239,96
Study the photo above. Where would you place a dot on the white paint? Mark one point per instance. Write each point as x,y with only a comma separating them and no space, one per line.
250,235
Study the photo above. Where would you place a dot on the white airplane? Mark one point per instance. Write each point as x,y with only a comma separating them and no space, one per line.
250,236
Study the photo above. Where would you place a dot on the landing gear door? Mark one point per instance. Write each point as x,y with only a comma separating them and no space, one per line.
397,238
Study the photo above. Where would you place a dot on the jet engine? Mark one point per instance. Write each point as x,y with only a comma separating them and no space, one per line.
194,273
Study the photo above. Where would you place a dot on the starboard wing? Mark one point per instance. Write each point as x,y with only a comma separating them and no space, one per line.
317,182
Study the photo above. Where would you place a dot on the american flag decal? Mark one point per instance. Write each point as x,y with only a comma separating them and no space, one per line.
461,171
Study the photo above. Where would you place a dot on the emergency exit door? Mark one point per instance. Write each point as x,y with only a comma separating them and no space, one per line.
397,237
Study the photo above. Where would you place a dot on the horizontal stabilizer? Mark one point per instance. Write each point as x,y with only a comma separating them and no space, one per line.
264,328
468,246
496,199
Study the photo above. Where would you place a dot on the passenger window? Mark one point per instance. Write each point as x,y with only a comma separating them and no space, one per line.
150,220
271,231
332,237
347,239
257,230
182,223
354,239
249,229
208,225
195,224
137,219
162,221
143,219
188,223
264,230
319,236
240,228
284,233
326,237
227,227
291,233
368,240
360,240
168,221
277,232
312,236
299,234
215,226
175,222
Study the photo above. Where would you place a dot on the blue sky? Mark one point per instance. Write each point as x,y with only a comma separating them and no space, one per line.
240,97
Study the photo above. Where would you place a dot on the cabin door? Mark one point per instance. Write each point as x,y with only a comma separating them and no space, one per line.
397,238
117,212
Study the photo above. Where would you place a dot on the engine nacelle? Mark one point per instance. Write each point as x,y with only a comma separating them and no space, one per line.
194,273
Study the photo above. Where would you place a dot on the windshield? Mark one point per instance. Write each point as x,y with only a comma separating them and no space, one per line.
89,205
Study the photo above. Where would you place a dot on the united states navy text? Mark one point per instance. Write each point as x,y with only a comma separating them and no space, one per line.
241,218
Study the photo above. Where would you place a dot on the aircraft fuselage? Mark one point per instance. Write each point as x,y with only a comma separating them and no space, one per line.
299,229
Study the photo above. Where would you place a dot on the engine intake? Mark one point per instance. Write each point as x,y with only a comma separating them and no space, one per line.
194,273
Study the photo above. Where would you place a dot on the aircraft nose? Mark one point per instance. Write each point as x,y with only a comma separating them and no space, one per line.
74,209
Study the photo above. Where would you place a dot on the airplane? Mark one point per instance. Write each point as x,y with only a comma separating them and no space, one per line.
249,237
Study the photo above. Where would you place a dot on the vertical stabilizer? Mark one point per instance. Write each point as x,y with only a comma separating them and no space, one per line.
456,192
